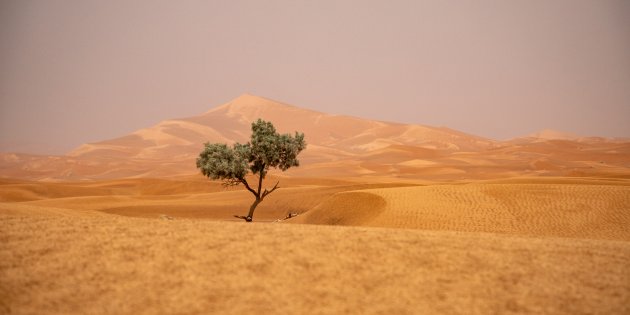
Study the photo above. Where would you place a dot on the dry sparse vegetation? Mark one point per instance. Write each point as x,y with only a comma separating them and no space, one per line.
69,262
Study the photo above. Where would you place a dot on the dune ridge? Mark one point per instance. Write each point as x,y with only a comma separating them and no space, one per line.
339,146
582,211
557,207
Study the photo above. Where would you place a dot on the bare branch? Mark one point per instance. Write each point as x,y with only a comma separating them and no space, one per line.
242,180
267,192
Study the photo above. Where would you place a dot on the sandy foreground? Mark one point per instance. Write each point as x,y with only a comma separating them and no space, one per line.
59,262
520,246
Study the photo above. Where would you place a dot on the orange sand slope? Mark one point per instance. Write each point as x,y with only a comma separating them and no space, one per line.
61,261
560,207
578,208
190,197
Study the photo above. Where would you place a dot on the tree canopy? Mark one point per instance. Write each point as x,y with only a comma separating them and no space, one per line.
266,149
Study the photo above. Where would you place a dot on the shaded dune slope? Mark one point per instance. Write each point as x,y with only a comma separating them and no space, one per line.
563,207
541,209
345,208
184,198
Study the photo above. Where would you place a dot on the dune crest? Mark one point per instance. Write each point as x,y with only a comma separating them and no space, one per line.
560,210
339,146
346,208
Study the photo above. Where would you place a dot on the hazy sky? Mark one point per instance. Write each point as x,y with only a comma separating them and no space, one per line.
82,71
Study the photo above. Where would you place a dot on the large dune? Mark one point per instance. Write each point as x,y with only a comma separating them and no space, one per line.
576,208
339,146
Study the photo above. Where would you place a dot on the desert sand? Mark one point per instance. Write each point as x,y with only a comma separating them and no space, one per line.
391,219
83,262
527,246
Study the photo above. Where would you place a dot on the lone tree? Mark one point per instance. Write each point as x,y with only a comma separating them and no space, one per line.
266,149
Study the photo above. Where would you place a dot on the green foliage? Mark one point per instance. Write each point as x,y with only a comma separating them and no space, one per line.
266,149
218,161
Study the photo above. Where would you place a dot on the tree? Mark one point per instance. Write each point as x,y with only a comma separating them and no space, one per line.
266,149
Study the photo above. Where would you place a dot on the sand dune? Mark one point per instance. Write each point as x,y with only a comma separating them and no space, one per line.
189,199
339,146
560,207
231,122
562,210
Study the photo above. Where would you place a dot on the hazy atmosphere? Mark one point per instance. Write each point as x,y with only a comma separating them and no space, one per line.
314,157
81,71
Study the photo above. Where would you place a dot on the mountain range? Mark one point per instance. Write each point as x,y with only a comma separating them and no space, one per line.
338,146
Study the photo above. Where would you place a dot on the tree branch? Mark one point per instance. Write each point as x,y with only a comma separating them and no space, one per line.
247,186
267,192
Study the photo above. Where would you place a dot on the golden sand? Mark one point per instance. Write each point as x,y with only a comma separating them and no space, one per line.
524,246
82,262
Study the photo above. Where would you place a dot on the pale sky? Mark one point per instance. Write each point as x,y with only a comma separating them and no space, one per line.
82,71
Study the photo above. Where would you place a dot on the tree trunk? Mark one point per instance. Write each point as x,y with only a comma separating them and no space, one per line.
250,215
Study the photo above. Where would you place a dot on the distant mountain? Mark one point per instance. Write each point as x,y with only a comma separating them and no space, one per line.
231,122
340,146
